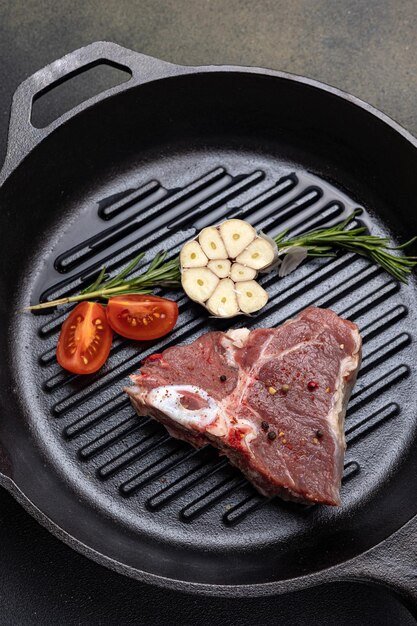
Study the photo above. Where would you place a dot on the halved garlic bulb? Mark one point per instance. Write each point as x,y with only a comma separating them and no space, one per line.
219,268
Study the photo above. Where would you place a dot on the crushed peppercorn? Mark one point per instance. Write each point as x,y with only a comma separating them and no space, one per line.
272,435
315,440
285,388
319,434
272,391
264,425
222,378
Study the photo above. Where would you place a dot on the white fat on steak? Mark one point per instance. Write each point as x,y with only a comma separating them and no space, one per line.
232,339
169,400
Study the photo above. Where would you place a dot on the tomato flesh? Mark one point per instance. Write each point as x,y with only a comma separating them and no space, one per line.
85,339
141,316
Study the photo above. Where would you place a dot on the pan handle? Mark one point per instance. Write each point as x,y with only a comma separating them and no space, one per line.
392,564
23,136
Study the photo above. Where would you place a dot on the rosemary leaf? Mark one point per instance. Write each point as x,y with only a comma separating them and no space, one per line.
97,282
321,241
130,267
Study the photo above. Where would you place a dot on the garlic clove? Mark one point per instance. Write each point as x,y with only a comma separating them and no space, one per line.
192,255
250,296
237,235
220,267
239,272
258,255
199,283
223,301
211,243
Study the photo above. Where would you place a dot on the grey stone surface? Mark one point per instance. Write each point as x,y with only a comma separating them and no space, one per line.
366,47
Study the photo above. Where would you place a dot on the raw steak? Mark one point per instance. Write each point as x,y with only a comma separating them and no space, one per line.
273,400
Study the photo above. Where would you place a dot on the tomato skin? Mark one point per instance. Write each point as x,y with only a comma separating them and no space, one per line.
141,317
85,339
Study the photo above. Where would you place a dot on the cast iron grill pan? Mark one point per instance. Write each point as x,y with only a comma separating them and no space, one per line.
160,157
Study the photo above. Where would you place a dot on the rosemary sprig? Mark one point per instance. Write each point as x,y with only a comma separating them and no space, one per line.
323,241
320,242
159,273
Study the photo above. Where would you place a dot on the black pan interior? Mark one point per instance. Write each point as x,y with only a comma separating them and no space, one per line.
142,171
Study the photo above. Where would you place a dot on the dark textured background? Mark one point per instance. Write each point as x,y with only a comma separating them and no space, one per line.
365,47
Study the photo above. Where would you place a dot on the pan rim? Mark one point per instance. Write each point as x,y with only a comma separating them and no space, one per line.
336,573
172,71
259,589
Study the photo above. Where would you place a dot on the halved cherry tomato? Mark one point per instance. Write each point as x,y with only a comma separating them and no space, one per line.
141,316
85,339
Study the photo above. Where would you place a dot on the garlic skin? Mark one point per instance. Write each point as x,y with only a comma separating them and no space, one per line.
294,256
219,268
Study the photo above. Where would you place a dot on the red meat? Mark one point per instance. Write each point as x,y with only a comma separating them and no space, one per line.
273,400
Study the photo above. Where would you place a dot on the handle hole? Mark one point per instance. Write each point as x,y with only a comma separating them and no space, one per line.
75,88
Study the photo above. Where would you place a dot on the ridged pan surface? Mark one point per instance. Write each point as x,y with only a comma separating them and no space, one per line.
145,175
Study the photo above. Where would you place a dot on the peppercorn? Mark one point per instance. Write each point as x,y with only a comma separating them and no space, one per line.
319,434
272,435
222,378
264,425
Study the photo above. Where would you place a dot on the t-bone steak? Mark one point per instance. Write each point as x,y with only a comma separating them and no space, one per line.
273,400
